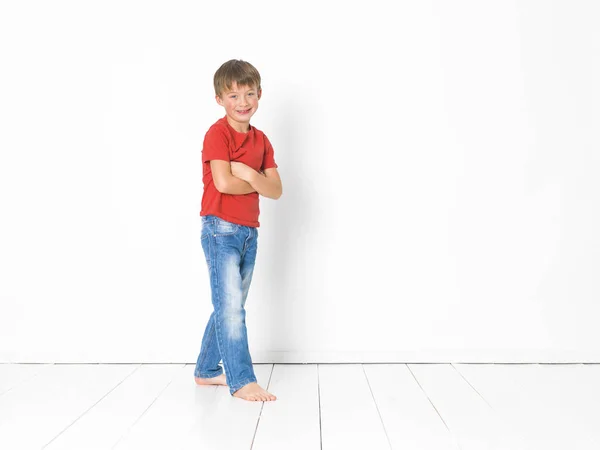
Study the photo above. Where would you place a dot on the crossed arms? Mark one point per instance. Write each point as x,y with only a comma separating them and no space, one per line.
237,178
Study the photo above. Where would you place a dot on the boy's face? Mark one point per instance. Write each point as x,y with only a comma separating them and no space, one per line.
240,103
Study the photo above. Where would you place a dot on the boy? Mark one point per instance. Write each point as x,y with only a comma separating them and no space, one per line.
238,165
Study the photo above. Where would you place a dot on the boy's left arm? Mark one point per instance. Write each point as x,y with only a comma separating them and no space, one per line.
267,184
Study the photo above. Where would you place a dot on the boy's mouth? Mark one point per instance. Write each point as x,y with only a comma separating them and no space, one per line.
246,111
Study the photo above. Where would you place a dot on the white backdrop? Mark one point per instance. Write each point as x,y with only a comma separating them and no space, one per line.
439,161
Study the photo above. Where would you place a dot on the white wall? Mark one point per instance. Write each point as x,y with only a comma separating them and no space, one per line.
439,160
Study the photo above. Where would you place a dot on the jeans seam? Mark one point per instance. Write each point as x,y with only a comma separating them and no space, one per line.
207,346
217,313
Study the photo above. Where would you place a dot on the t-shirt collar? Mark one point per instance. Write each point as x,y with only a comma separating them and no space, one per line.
250,127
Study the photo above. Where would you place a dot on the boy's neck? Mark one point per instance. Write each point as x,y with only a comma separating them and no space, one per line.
237,126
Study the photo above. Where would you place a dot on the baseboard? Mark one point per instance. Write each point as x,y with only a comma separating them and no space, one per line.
440,356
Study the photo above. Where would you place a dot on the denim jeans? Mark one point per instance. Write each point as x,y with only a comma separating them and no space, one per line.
230,251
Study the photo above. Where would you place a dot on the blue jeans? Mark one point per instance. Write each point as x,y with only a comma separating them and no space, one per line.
230,251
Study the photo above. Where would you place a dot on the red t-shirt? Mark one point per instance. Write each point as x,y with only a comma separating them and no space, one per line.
251,148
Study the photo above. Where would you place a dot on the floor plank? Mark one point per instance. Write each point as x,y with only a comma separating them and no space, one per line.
410,419
36,411
326,406
231,422
169,414
349,416
553,406
106,422
11,375
472,422
292,421
188,416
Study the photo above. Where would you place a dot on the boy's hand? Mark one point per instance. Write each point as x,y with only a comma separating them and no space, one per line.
242,171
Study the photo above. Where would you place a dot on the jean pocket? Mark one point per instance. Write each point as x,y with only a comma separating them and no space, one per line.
224,228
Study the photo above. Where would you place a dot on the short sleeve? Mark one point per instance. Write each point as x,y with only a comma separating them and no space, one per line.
216,145
269,156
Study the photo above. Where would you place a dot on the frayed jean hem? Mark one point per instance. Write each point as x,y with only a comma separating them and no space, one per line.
204,375
241,384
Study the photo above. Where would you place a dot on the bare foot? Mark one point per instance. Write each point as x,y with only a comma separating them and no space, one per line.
254,393
221,379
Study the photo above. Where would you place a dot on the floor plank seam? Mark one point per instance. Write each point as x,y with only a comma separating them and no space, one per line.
377,407
320,423
472,387
23,381
436,410
261,407
87,410
145,411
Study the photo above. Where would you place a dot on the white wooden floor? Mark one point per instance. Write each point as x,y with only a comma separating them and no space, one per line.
324,406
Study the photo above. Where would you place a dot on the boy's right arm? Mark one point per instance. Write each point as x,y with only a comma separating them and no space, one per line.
225,182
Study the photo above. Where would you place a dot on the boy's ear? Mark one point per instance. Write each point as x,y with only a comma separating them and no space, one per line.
219,101
259,93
